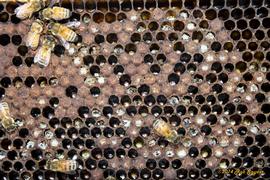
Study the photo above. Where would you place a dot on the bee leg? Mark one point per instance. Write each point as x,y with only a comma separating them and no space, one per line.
53,2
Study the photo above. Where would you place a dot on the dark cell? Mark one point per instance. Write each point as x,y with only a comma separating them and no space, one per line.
14,175
35,112
200,163
48,112
242,130
210,14
229,24
16,40
216,46
223,14
164,163
173,79
236,13
155,69
242,151
182,173
178,25
29,81
110,17
83,111
125,80
12,155
157,174
193,152
14,19
121,174
265,108
54,101
254,23
194,173
109,153
206,173
37,154
18,143
23,132
206,129
59,50
151,164
145,173
71,91
103,164
4,39
179,47
118,69
22,50
4,16
190,4
99,39
90,164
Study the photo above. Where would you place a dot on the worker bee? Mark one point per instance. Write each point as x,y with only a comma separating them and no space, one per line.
55,13
7,121
43,54
162,128
62,32
63,165
32,39
26,10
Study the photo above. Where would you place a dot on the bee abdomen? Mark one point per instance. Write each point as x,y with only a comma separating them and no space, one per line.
72,37
60,13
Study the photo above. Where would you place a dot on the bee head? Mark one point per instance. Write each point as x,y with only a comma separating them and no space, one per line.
9,124
48,164
49,40
45,13
37,26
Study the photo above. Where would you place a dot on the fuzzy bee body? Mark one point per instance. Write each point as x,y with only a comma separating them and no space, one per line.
64,166
6,120
33,36
26,10
55,13
62,32
162,128
43,54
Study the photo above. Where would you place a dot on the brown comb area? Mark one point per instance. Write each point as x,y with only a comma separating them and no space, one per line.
202,66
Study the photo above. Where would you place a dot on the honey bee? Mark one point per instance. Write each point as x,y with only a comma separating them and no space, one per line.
26,10
43,54
62,165
6,120
62,32
55,13
33,36
162,128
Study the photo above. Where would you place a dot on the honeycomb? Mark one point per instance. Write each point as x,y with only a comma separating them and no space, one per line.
200,68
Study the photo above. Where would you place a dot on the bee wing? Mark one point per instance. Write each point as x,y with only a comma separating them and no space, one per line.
9,124
53,2
60,13
64,43
4,110
32,40
43,56
73,24
23,1
26,10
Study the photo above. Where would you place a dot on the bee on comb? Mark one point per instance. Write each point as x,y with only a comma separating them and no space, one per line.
7,121
163,129
63,165
43,54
